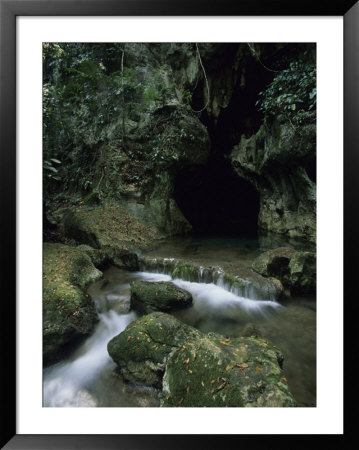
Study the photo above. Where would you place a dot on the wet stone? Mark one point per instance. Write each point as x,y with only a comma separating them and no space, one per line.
147,297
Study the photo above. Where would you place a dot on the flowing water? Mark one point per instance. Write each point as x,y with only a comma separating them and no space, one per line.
87,377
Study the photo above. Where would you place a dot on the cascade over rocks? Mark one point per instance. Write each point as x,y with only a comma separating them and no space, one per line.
238,278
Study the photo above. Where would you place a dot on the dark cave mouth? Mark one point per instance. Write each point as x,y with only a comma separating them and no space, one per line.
217,201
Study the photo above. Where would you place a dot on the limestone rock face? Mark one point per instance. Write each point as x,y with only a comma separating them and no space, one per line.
274,161
303,272
68,313
147,297
295,269
142,350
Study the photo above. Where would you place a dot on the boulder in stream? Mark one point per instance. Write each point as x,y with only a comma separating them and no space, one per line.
147,296
142,349
217,372
68,312
295,269
196,369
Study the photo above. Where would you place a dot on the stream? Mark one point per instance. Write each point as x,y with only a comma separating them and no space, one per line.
87,377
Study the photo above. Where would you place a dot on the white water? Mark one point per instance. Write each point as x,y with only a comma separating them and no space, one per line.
65,384
213,296
69,383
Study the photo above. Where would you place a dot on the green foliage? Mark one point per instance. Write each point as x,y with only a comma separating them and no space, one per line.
292,93
85,93
90,94
186,96
157,91
50,170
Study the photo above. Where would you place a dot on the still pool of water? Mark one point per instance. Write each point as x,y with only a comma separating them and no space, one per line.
87,377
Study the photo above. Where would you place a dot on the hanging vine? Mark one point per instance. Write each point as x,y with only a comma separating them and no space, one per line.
205,77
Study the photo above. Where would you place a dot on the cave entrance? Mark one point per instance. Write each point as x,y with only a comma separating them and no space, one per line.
217,201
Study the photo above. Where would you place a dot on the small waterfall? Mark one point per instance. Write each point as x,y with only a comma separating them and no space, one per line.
241,287
68,383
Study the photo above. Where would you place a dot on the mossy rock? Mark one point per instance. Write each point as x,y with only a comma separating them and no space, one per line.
303,272
98,257
274,263
243,281
76,227
68,312
184,271
295,269
147,297
124,259
111,228
142,349
218,372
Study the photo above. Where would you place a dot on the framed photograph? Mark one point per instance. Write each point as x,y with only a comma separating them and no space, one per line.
176,167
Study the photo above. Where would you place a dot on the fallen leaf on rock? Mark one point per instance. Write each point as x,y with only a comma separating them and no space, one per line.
242,366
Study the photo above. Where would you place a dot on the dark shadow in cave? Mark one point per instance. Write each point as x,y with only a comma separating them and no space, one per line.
217,201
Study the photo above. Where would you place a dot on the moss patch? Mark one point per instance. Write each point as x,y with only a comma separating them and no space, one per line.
296,270
68,313
221,372
141,351
196,369
107,226
147,297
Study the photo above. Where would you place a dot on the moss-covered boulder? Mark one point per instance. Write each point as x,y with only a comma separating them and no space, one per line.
97,256
295,269
196,369
221,372
147,296
275,263
142,350
303,272
68,312
77,227
112,232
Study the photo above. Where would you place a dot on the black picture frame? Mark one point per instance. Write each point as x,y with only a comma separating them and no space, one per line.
9,10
